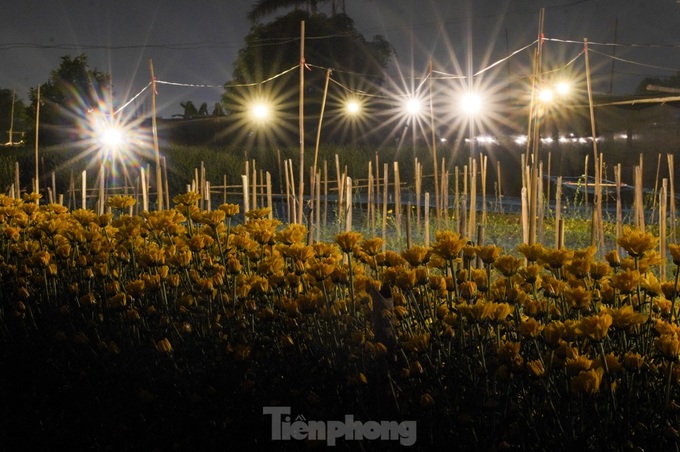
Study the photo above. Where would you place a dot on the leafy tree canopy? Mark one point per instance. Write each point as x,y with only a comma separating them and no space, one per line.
71,91
330,42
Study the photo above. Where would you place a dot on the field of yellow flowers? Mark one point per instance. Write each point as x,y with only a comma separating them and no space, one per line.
173,329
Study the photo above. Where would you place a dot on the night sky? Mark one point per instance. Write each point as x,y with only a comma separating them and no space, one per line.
195,42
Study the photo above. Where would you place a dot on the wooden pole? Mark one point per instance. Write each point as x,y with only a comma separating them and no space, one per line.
558,210
671,195
499,189
318,131
301,191
483,163
11,120
318,206
246,201
473,197
348,204
145,192
154,133
288,204
83,192
619,213
434,147
426,219
397,198
662,229
270,203
165,179
17,181
536,138
36,188
325,193
384,213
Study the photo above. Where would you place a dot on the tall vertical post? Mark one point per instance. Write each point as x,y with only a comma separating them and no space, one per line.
154,132
434,150
302,123
318,132
536,141
11,119
37,128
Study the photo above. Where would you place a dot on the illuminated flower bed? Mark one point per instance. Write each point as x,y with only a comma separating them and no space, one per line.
176,328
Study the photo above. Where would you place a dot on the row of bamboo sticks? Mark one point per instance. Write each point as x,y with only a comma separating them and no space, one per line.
383,202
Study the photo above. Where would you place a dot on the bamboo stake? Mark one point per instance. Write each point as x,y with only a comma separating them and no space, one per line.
154,133
246,206
318,132
499,190
294,200
418,182
408,225
590,100
600,220
17,182
434,148
547,195
338,177
656,186
662,229
525,217
426,219
102,170
445,191
302,123
36,187
483,168
83,192
54,183
473,196
348,205
384,212
206,198
325,193
288,210
585,178
540,205
560,233
397,198
443,196
145,190
369,198
318,206
456,198
253,193
671,196
165,178
270,204
619,213
558,210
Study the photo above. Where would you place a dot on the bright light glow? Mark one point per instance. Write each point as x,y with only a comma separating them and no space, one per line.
106,133
260,111
546,95
353,107
111,137
487,139
413,106
562,88
471,104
